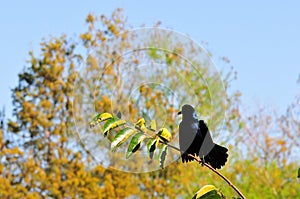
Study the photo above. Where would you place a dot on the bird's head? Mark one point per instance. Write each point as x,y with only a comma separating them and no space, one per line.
188,113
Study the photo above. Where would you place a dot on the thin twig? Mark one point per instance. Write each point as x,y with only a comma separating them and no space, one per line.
219,174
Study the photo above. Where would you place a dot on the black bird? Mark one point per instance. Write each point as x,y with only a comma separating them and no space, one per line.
195,139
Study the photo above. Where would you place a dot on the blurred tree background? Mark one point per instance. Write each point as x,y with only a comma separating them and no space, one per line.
48,149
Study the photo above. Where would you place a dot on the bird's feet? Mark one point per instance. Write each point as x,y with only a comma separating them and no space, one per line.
202,160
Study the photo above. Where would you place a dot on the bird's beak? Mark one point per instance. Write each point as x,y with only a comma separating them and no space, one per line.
179,113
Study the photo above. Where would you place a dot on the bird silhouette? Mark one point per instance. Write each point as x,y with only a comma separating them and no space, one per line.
195,139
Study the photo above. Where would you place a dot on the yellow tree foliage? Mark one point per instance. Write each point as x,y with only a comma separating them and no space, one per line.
42,157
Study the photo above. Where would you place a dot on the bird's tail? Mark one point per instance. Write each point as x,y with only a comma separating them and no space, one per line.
217,157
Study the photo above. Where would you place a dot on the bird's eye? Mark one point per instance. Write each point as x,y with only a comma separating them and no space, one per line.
195,115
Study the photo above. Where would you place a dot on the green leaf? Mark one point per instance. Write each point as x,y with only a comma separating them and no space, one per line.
101,117
135,144
151,146
152,52
169,59
112,124
164,134
241,125
208,192
152,126
121,137
162,155
141,124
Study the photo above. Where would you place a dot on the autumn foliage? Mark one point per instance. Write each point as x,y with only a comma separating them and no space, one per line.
43,147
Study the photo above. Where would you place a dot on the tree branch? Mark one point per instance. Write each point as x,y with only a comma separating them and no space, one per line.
197,159
219,174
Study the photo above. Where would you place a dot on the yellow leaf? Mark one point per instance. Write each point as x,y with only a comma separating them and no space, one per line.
164,134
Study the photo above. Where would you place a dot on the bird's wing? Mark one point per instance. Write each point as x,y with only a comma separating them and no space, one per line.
187,134
206,140
187,140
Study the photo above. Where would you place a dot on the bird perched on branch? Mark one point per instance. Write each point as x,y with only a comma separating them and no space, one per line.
195,139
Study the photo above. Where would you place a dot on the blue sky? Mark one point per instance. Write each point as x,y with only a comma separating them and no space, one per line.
261,38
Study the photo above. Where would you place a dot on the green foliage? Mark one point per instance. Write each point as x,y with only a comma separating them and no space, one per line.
135,143
42,158
151,146
112,124
152,126
121,137
100,118
162,155
208,192
140,133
